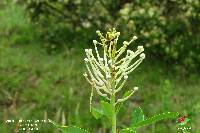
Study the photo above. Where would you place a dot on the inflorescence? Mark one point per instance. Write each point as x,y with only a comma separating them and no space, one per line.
109,73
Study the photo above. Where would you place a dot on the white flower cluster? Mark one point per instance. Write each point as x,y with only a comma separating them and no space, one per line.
108,74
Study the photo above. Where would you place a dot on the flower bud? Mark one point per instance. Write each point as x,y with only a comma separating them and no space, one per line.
90,51
86,60
92,59
101,83
110,61
101,59
117,34
108,76
135,88
130,52
134,38
125,43
98,32
140,48
126,77
95,41
113,66
142,55
117,81
85,74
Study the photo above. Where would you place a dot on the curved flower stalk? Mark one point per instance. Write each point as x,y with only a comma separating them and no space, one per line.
108,73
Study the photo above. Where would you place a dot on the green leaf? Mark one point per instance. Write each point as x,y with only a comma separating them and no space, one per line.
155,118
73,129
97,113
107,109
127,130
137,116
69,129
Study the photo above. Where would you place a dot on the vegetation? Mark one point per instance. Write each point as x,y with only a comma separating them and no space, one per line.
41,80
169,29
107,74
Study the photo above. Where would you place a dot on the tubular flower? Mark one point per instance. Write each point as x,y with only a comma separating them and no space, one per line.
109,72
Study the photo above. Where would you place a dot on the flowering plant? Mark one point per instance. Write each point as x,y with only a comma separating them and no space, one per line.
107,74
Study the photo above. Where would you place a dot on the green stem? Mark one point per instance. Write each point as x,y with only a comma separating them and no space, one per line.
114,122
112,101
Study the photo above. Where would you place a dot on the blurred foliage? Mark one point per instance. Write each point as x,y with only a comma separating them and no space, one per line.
36,85
169,28
15,25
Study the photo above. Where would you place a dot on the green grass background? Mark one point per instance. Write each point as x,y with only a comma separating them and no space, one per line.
36,85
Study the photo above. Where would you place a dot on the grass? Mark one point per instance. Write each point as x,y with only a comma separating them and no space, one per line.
36,85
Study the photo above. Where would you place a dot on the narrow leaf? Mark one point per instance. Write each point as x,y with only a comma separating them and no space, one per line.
73,129
97,113
137,116
68,129
127,130
107,109
155,118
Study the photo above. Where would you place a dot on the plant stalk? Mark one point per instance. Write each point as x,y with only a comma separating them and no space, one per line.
114,122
